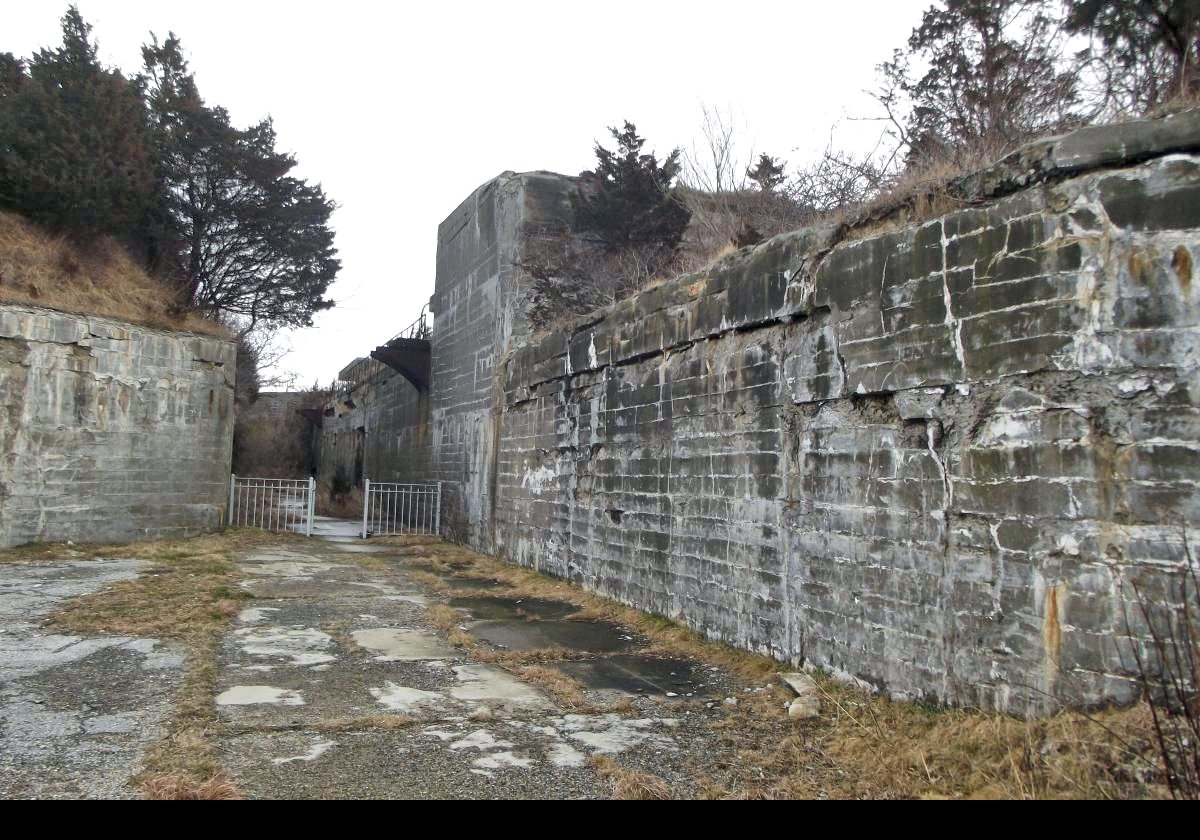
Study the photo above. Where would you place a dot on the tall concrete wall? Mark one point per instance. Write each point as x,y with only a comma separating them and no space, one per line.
479,303
930,459
396,432
385,419
109,431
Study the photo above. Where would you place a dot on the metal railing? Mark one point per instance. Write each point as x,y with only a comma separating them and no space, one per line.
419,328
391,509
272,504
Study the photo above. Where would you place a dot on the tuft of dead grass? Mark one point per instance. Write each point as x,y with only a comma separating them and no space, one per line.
39,269
564,690
629,784
447,619
176,788
386,723
867,746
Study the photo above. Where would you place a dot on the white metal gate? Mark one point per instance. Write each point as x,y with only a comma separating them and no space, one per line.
401,509
272,504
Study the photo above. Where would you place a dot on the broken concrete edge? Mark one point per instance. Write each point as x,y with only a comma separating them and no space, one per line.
807,702
1084,150
89,402
569,349
110,328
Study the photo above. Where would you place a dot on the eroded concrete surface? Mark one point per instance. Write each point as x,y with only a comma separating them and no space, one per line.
336,639
76,714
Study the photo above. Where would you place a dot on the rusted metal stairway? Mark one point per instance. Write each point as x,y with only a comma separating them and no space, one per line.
409,353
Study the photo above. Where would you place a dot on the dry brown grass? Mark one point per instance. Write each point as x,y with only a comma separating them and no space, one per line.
43,270
917,196
175,788
188,593
43,552
462,639
863,745
628,784
564,690
431,581
866,746
189,751
384,723
444,618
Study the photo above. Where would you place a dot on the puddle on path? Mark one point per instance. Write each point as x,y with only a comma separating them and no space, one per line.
644,675
513,609
585,636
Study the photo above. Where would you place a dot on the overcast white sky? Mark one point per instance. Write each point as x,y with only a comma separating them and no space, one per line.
401,110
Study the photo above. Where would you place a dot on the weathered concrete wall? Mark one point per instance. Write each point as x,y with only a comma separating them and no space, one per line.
479,303
271,439
109,431
929,459
381,429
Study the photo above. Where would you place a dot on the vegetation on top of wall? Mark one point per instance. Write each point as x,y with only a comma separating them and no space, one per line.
100,277
627,223
974,81
212,211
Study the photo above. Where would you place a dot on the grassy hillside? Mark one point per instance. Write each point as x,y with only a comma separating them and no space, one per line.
39,269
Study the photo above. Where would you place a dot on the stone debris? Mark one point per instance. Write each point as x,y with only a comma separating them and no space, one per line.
807,703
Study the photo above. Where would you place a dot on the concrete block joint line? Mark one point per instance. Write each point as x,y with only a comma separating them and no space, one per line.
928,458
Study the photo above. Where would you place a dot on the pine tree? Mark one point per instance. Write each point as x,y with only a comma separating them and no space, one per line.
253,243
991,78
768,173
1148,50
75,147
628,204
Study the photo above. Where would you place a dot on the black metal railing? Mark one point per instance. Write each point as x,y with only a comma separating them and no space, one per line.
419,328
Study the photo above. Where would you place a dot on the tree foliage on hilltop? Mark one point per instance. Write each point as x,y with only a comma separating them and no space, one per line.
1144,52
992,75
76,154
627,201
974,80
627,226
253,241
212,208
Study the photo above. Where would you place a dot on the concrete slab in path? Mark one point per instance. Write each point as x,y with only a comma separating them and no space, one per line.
316,673
76,714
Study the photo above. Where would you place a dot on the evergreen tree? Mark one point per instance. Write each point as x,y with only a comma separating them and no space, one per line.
768,173
1148,50
992,78
628,203
253,242
75,147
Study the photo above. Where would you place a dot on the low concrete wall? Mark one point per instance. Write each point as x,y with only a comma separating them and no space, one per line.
931,459
109,431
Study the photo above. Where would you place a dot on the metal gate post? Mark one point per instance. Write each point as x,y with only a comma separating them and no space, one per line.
312,503
366,504
232,485
437,513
